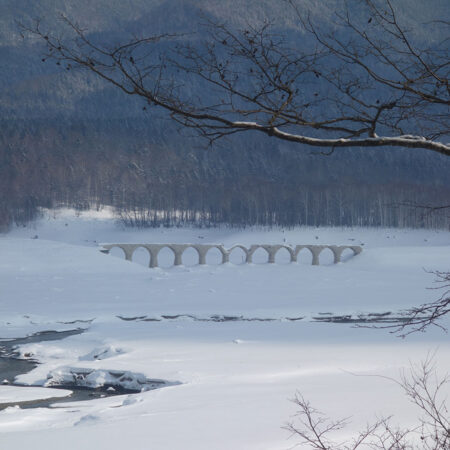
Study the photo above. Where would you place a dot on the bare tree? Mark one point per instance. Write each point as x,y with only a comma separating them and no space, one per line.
423,388
420,318
355,83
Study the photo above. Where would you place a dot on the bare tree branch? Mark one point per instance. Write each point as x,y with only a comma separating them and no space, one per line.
420,318
360,85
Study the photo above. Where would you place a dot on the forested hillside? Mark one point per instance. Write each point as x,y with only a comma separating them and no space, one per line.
68,139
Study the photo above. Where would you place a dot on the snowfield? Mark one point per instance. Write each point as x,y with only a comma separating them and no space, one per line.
232,342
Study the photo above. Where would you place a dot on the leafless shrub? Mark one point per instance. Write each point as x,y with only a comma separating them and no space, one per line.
423,388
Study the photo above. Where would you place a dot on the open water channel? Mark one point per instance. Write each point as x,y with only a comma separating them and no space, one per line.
11,366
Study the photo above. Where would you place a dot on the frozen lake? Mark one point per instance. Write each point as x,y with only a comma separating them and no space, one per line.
233,342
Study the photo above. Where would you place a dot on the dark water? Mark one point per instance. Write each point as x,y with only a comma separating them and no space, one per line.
78,394
41,336
11,366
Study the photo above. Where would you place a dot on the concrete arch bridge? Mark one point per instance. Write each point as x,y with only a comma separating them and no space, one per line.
202,250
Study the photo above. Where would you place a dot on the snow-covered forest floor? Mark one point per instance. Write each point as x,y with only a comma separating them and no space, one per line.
229,381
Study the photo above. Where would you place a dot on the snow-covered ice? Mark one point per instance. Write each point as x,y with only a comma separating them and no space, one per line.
232,380
14,394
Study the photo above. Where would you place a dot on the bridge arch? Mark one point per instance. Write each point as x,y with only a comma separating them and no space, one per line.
116,251
140,258
255,249
347,253
287,251
327,255
164,254
217,249
303,254
190,256
235,249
